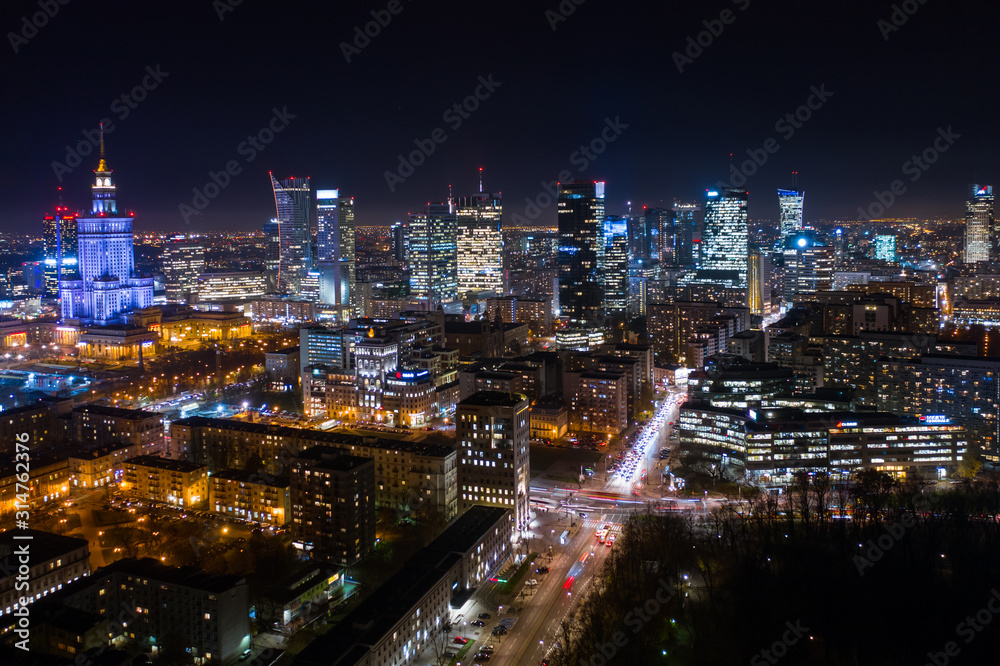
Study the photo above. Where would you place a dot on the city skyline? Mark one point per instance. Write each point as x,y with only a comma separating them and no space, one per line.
846,151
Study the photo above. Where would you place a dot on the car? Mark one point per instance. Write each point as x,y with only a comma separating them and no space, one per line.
460,640
245,655
532,582
610,541
484,616
478,623
542,570
481,656
450,655
486,648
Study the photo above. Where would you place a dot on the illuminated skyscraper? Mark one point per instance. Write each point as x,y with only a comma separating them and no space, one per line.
724,242
183,261
60,246
980,235
479,243
336,252
399,242
659,226
433,254
684,224
291,201
808,264
790,202
107,285
759,278
614,265
885,247
581,220
272,245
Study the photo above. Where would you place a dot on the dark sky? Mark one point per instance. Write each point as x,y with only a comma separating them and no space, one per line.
605,60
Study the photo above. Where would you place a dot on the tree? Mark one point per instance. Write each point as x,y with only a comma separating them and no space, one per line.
970,467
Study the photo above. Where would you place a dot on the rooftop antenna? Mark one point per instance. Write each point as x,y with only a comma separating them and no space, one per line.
480,180
795,179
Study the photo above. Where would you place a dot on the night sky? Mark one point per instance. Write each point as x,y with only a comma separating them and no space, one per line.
606,60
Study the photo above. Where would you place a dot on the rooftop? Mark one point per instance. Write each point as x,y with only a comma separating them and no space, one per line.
117,412
165,463
44,546
494,399
317,436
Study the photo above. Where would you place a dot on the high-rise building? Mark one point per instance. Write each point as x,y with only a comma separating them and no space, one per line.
980,236
333,503
759,278
336,249
581,219
790,204
291,201
492,430
613,267
479,243
659,225
107,285
272,245
684,223
885,247
399,242
724,246
433,254
809,262
60,246
183,262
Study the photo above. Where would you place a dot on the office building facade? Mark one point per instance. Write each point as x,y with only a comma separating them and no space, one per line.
480,243
724,243
492,430
293,208
980,225
581,218
790,211
432,246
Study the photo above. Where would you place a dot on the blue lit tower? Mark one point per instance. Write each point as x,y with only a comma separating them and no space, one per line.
291,202
432,254
107,285
581,238
614,265
724,243
790,215
684,225
336,254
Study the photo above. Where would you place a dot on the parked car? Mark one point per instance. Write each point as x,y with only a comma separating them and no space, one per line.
484,616
460,640
478,623
532,582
